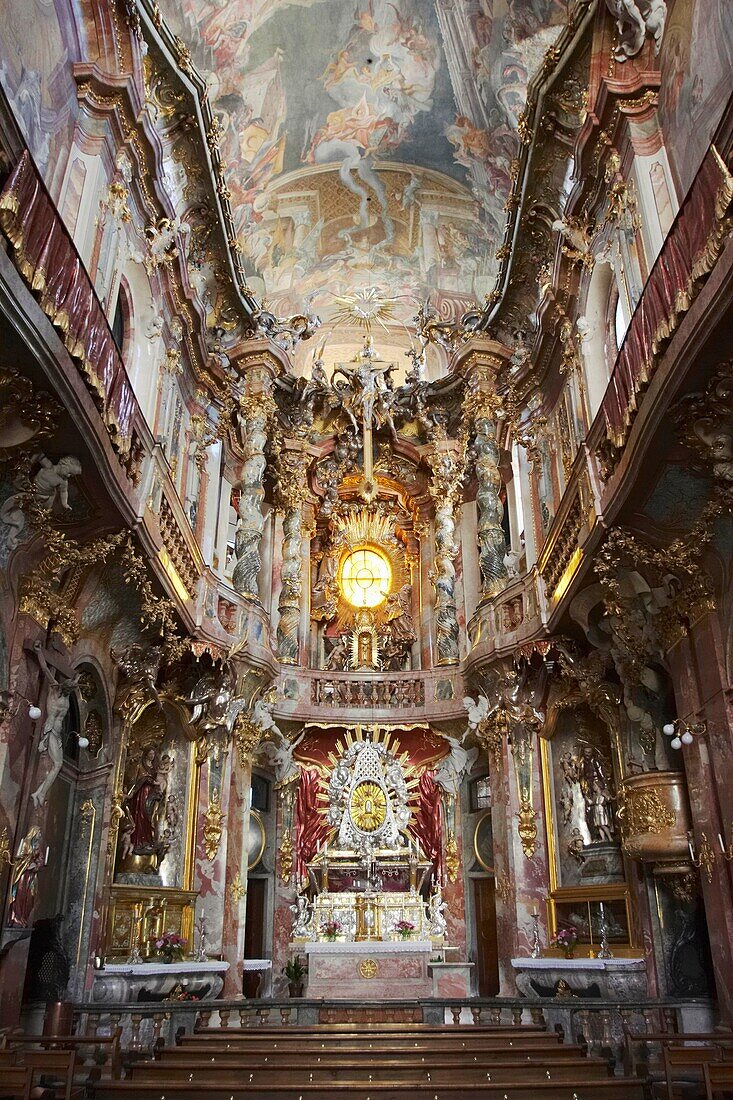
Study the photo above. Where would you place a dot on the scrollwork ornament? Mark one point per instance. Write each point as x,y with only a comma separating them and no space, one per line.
527,824
213,826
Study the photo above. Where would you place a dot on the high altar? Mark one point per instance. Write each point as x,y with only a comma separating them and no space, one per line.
368,922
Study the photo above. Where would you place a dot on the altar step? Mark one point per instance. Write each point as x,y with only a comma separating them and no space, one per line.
383,1062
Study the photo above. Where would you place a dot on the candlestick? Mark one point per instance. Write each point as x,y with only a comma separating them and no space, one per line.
604,951
536,948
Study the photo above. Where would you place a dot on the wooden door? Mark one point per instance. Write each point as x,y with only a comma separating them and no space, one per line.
487,957
254,931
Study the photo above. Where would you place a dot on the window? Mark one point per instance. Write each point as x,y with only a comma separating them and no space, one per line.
480,794
366,576
118,324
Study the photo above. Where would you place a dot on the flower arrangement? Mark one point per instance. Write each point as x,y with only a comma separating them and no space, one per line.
566,939
170,947
404,928
330,929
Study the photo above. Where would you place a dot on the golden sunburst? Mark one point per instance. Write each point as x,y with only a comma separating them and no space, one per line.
365,307
368,806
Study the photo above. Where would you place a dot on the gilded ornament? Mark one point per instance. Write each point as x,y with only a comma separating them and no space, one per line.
247,735
504,887
286,858
451,857
642,812
5,858
705,858
368,806
213,819
237,890
527,824
368,969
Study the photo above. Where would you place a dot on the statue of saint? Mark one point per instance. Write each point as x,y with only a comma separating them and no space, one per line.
142,809
26,865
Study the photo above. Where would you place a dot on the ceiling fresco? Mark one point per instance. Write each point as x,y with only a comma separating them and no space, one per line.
369,143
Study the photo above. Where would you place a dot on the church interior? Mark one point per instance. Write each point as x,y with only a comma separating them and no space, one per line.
366,570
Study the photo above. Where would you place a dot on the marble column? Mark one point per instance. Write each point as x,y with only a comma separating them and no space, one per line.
290,474
445,489
698,666
256,411
235,898
491,541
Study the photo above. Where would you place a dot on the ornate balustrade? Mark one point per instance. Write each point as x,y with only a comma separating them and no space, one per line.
688,255
594,1022
366,696
47,259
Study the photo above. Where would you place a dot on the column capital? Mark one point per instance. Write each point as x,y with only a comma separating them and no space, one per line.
481,359
258,362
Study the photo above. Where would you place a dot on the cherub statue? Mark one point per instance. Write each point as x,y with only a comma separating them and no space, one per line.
58,702
51,485
635,20
436,908
476,710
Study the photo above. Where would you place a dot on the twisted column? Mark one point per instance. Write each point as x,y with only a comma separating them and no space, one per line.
290,473
257,410
491,541
444,489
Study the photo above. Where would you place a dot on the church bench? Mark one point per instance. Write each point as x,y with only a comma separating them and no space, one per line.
437,1071
15,1082
53,1070
718,1079
637,1045
253,1040
580,1089
267,1056
104,1050
337,1030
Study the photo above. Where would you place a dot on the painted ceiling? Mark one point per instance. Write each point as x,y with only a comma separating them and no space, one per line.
369,143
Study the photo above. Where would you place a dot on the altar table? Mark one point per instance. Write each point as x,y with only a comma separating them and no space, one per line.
372,970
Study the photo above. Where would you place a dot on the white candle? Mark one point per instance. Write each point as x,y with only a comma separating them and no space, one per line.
45,862
690,848
721,843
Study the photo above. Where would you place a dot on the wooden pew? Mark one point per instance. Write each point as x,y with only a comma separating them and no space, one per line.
580,1089
437,1072
265,1055
718,1078
15,1082
58,1065
106,1045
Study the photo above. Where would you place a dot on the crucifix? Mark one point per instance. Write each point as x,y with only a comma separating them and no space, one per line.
367,398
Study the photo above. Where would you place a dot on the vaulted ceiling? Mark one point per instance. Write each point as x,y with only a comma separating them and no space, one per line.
368,143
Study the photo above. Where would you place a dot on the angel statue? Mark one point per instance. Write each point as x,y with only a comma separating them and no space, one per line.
279,753
302,918
476,710
436,908
214,705
453,767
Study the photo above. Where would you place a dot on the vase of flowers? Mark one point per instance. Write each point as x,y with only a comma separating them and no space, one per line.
404,929
330,929
170,947
566,939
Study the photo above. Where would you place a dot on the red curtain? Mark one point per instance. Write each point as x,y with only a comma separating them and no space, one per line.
311,827
427,824
48,261
688,253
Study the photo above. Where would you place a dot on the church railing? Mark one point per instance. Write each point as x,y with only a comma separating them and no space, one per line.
599,1025
364,696
688,255
47,259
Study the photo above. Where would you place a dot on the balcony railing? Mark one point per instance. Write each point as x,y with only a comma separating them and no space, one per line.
49,263
688,255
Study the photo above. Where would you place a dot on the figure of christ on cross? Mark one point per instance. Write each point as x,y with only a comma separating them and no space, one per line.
368,397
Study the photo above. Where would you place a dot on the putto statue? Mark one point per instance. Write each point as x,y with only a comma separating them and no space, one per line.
436,913
302,918
51,488
452,768
635,20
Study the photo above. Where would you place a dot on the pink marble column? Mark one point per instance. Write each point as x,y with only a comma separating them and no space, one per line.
702,692
210,876
235,897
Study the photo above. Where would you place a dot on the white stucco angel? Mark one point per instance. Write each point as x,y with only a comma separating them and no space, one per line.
51,485
476,710
452,768
436,909
279,753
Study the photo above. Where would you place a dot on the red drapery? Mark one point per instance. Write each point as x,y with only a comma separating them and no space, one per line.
311,827
427,824
49,263
688,253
